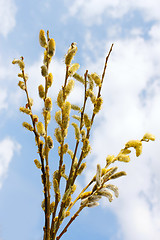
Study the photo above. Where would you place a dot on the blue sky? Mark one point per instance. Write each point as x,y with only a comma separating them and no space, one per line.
131,107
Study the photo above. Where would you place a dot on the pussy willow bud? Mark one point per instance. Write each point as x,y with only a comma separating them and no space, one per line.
27,126
98,175
123,158
19,62
92,96
42,38
41,129
81,168
66,108
51,47
73,68
77,131
60,99
49,142
25,110
44,70
58,135
41,91
148,136
58,117
87,121
37,163
96,79
71,53
48,104
49,80
79,78
119,174
97,105
21,85
69,87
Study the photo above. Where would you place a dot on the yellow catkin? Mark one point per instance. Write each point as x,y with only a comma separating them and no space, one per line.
41,129
109,159
75,107
56,187
96,79
85,194
77,117
81,168
66,109
97,105
21,75
73,68
44,70
49,80
69,87
92,96
66,194
41,91
20,63
35,118
70,152
51,47
47,116
47,59
133,143
21,85
123,157
83,134
58,135
65,122
148,136
27,126
91,82
119,174
60,99
138,150
79,78
77,131
49,142
65,148
25,110
37,163
87,121
42,38
48,104
70,54
67,213
58,117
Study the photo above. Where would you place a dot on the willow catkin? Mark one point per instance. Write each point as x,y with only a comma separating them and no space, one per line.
42,38
71,53
51,47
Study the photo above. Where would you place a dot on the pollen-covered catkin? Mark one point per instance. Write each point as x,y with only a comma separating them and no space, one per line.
97,105
119,174
77,131
79,78
21,85
49,142
25,110
41,129
49,80
69,87
91,82
44,70
87,121
27,126
71,53
58,135
75,107
48,104
81,168
73,68
96,79
148,136
51,47
58,117
60,99
41,91
66,109
98,175
20,63
92,96
38,164
42,38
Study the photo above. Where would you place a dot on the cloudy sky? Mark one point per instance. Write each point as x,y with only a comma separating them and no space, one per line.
131,94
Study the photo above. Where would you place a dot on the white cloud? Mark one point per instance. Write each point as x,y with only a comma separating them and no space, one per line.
92,11
131,94
7,148
7,16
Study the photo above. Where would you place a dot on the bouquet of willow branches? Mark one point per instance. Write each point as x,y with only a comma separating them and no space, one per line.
57,207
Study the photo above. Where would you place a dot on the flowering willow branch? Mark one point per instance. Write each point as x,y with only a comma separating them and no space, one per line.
63,179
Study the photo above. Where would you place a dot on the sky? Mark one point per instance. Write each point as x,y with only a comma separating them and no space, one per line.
131,107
